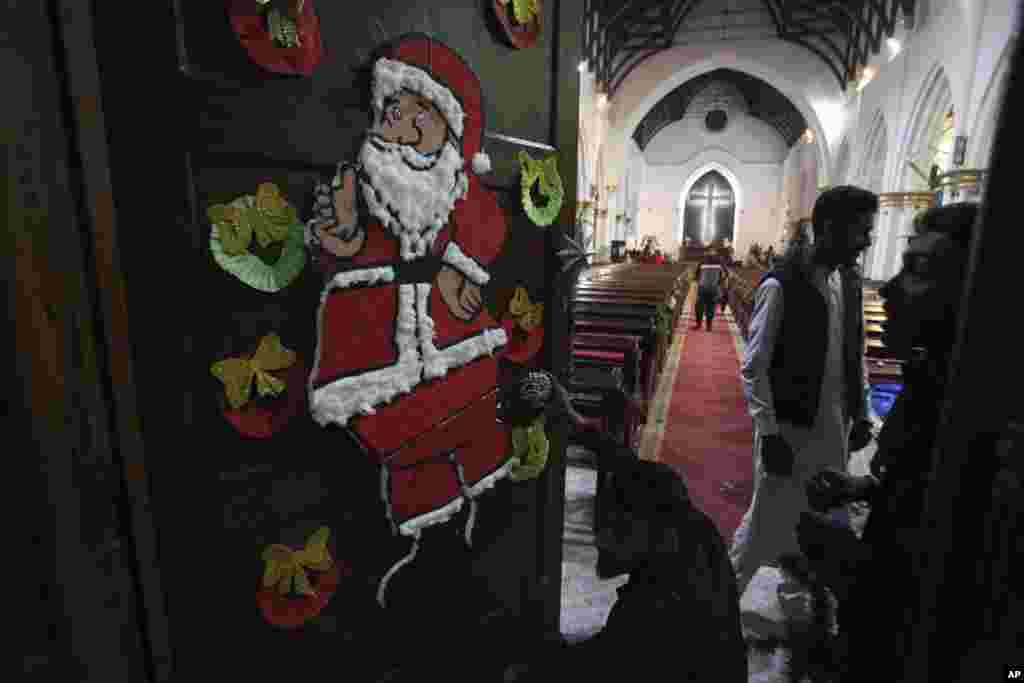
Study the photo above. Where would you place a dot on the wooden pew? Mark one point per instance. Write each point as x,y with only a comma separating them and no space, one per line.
615,311
883,367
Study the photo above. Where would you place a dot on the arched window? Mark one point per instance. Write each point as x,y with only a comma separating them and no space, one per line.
710,211
943,146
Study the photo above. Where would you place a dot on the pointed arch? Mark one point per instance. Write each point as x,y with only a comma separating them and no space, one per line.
627,122
839,177
980,142
932,103
870,175
871,169
700,172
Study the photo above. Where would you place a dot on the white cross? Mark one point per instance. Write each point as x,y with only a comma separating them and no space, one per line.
708,200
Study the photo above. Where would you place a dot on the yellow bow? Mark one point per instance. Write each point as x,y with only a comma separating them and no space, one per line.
268,216
286,568
523,10
527,315
237,374
276,213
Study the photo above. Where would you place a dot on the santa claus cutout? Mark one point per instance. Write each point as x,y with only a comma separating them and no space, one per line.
406,353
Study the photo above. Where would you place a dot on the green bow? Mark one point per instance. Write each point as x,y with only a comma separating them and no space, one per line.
529,451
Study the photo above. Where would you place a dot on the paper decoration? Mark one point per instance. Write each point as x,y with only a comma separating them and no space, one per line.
398,363
269,219
238,374
529,451
526,314
264,419
282,36
286,568
523,10
519,20
545,174
298,584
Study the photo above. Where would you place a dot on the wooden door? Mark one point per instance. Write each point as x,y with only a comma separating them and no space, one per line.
190,121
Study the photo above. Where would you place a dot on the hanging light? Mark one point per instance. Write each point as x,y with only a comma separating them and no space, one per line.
894,48
808,136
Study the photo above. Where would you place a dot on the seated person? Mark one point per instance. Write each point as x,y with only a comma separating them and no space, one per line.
874,577
681,596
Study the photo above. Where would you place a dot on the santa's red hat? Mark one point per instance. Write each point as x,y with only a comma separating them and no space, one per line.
428,67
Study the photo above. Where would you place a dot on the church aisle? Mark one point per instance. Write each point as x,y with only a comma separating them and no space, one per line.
700,424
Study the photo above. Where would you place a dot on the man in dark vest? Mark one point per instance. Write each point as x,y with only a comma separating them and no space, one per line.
803,374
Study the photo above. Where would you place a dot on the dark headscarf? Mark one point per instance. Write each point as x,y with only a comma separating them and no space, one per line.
683,594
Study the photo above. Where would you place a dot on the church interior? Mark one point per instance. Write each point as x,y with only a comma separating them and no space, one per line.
338,332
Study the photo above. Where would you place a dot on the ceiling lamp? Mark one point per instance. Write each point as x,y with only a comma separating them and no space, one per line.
808,136
894,48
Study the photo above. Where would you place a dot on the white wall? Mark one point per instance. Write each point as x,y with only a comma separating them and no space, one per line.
969,40
794,71
745,137
755,184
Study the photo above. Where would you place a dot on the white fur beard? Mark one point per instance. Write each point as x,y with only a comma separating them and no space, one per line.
411,197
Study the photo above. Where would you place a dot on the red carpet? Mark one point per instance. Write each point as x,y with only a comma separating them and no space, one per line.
708,432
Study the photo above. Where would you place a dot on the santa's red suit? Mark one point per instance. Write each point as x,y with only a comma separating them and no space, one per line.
414,383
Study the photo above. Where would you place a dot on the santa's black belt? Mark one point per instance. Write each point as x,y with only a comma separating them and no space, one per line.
423,269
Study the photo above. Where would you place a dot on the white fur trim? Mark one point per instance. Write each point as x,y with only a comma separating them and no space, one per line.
338,401
418,357
481,163
457,259
391,77
362,276
383,585
489,481
437,362
471,522
412,527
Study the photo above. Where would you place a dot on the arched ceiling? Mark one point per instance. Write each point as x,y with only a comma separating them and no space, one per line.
619,34
763,102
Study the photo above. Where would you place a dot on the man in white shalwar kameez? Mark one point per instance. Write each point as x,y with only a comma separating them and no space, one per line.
796,345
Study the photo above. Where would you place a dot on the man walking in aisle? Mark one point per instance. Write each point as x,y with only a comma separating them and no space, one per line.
803,374
709,279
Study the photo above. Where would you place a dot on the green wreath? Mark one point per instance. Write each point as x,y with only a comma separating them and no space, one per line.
267,218
545,172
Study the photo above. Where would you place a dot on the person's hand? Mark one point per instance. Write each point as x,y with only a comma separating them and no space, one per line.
337,228
471,298
342,248
345,202
833,551
860,435
831,488
777,456
453,286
